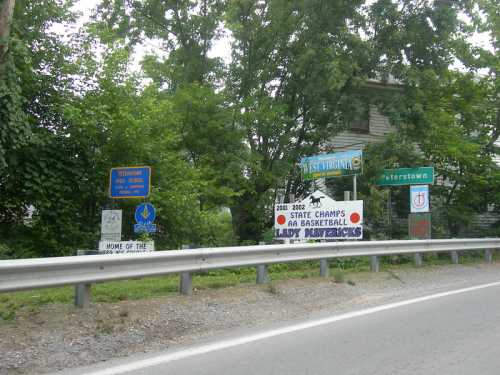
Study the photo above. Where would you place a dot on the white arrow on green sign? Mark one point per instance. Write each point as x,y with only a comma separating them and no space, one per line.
407,176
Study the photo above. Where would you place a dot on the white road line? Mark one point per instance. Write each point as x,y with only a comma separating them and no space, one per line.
203,349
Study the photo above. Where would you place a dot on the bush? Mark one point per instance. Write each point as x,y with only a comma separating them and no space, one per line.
338,276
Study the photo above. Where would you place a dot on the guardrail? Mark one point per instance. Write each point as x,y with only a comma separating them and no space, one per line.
24,274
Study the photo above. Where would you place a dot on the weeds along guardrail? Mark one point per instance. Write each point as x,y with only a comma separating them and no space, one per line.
82,271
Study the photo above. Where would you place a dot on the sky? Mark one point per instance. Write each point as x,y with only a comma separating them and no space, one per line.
221,48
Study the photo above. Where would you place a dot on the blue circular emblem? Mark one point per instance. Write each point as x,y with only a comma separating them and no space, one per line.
145,213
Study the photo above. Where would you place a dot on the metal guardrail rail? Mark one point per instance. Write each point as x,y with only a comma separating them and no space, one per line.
27,274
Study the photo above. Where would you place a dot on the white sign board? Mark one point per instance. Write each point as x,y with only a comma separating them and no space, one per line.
111,225
419,198
125,247
319,217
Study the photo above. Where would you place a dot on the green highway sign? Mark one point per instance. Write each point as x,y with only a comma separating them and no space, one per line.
407,176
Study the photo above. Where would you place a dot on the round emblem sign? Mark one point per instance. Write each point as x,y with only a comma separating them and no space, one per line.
145,213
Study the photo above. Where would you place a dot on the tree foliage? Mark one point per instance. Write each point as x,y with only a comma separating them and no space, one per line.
229,135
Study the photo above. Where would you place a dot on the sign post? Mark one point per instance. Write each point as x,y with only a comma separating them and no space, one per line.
419,204
354,188
419,226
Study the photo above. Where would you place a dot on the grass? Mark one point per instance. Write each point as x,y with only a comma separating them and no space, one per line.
31,301
338,276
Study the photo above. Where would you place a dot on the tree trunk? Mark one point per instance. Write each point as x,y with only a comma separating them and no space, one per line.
6,11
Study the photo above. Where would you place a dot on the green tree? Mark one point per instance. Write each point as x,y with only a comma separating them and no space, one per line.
188,77
297,66
32,86
185,28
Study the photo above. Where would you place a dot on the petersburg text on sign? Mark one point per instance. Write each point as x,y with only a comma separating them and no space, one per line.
129,182
318,217
332,165
407,176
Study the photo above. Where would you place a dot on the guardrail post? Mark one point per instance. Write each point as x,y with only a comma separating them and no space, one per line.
82,291
186,280
374,263
488,256
418,259
454,257
262,276
324,268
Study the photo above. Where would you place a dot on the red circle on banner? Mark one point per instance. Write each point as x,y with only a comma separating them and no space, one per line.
281,219
355,218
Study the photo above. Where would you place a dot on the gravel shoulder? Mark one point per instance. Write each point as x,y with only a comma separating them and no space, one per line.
61,337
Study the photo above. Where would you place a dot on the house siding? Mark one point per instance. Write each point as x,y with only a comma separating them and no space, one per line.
483,224
379,126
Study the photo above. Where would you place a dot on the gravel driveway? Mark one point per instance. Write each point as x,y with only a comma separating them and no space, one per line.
60,336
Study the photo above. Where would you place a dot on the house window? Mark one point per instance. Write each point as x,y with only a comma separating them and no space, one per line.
360,121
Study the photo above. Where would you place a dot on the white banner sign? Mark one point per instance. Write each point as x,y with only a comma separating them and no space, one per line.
111,225
125,247
319,217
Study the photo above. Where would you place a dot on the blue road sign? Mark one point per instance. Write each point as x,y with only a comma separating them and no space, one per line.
144,228
129,182
145,213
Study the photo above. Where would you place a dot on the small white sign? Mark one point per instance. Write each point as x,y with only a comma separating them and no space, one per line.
419,198
319,217
111,225
125,247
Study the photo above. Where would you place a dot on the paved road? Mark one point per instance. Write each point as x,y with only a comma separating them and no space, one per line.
452,334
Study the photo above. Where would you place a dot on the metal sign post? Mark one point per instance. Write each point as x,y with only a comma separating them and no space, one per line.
389,209
354,188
